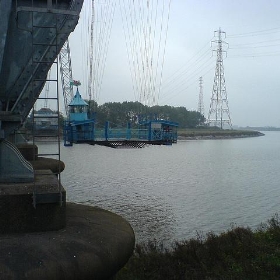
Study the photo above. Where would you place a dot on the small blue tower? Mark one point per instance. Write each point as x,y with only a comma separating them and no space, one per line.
78,127
78,108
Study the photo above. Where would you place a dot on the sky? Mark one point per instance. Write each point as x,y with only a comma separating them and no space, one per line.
251,62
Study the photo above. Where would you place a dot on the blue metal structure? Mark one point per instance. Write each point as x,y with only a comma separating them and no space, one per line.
162,130
31,36
80,129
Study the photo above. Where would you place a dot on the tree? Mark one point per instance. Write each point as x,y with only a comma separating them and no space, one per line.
118,114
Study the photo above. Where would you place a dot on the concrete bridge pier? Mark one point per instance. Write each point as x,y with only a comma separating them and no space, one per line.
55,239
41,235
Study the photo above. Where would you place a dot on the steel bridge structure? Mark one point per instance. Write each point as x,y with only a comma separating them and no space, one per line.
32,34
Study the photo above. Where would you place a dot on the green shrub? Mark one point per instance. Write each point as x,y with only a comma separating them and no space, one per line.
239,253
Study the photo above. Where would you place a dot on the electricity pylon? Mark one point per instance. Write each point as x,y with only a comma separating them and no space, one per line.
219,114
200,100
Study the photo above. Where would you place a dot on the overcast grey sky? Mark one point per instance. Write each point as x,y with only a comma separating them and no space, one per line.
252,65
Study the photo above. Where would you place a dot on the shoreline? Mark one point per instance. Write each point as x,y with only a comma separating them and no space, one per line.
215,135
237,253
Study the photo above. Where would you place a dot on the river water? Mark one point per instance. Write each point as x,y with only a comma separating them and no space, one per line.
172,193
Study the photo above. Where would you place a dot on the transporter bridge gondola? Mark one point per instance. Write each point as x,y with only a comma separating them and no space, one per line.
79,128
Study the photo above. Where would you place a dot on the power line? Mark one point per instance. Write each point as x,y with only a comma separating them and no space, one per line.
270,54
255,43
255,47
195,72
186,86
256,33
188,65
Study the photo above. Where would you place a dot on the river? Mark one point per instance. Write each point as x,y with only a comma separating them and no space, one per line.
175,192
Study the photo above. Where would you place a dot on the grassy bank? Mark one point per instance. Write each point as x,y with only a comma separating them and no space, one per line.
216,133
239,253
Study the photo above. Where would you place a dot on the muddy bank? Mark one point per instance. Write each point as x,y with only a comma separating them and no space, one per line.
220,134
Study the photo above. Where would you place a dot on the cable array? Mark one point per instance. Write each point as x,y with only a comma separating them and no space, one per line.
103,15
96,26
145,26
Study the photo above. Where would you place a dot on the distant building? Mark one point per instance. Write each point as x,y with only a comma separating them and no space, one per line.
45,119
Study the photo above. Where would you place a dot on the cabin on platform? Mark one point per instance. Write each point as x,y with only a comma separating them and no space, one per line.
78,128
81,129
78,108
161,130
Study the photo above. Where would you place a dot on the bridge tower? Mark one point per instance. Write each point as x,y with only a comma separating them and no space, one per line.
66,75
200,100
219,114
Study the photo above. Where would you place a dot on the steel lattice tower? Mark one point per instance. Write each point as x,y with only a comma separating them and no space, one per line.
200,101
219,114
66,75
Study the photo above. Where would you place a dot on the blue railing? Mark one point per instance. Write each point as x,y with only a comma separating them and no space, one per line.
86,132
121,134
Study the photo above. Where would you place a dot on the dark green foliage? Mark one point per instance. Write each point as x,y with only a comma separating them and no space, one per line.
239,253
118,114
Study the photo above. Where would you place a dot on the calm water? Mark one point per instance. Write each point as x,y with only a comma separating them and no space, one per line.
171,193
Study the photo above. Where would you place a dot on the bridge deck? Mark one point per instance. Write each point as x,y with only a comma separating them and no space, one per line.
163,133
119,138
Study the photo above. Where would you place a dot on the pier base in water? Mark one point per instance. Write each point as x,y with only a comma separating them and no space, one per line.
95,244
57,240
19,214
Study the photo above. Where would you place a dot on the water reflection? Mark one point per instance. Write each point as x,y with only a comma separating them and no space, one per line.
152,220
174,192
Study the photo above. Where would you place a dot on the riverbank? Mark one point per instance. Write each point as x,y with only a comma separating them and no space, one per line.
239,253
195,134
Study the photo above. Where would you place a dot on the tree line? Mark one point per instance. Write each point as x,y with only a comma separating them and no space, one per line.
119,114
